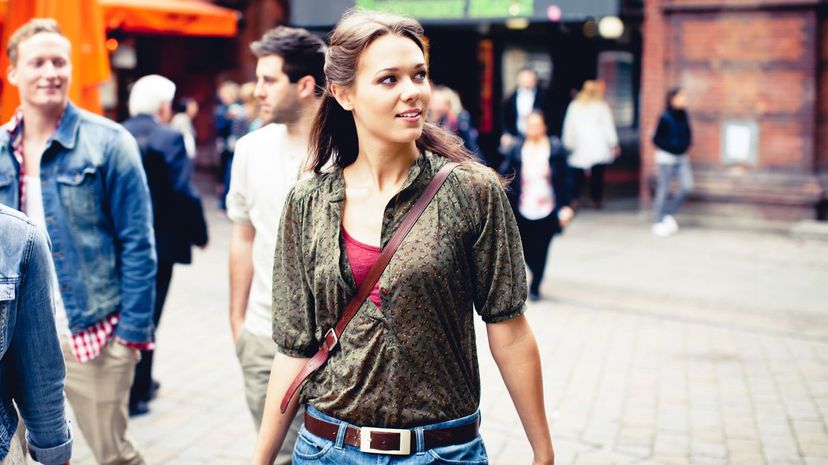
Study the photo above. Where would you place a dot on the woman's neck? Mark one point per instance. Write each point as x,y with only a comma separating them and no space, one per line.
382,166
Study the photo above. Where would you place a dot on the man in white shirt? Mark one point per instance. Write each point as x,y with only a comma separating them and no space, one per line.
267,163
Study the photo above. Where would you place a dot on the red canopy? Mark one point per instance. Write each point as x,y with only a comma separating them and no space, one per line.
175,17
85,23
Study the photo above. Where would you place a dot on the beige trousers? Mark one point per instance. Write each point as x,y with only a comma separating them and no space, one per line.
98,391
255,355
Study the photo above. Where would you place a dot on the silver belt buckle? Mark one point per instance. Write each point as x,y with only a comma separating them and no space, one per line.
365,440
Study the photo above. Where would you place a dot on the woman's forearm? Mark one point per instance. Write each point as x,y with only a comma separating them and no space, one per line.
275,424
515,351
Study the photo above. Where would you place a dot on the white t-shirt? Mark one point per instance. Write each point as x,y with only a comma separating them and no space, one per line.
537,199
525,105
35,211
266,165
589,132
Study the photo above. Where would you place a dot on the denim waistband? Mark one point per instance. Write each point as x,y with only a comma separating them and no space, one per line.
418,431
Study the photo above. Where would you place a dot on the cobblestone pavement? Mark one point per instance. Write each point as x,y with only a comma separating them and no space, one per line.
709,347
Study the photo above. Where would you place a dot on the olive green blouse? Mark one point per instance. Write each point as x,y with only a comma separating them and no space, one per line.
415,361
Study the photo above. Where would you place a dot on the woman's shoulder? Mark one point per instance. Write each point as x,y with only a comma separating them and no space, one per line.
475,178
315,187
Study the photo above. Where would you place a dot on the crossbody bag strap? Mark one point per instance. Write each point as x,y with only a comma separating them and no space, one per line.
332,336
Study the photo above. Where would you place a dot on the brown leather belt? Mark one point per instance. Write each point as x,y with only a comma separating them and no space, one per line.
392,441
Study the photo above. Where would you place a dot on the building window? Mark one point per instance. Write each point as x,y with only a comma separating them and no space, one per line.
740,142
615,68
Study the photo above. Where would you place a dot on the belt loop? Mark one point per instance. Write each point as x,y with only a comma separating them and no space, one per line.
418,433
340,435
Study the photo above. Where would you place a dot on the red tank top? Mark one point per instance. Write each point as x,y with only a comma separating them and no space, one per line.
362,257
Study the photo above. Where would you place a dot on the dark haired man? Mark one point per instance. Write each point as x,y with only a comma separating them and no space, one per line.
527,97
266,165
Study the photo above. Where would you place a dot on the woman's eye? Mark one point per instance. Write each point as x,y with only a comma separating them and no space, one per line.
421,75
388,80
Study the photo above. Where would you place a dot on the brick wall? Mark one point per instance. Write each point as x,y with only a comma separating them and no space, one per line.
822,128
748,60
653,86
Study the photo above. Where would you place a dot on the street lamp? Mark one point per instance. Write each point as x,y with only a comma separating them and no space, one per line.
610,27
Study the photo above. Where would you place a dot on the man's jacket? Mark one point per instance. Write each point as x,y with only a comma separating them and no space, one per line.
98,217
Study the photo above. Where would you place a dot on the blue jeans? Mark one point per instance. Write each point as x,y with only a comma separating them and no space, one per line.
312,449
666,173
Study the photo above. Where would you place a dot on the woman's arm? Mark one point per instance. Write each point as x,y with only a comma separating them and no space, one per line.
515,351
275,424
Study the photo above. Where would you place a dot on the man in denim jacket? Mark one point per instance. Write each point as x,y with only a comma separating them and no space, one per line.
31,366
81,177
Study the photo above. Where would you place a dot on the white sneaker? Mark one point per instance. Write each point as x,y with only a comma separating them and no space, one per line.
671,223
661,229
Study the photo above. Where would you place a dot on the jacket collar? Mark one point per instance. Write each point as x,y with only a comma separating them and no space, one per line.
67,130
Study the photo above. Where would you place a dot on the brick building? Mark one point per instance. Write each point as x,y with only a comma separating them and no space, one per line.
756,74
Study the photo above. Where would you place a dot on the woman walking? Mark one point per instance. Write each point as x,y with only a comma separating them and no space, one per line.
672,139
540,194
406,363
589,134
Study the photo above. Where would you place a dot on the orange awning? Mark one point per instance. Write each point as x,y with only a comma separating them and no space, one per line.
174,17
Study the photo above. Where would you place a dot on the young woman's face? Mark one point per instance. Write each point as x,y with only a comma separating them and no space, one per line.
390,94
679,101
535,127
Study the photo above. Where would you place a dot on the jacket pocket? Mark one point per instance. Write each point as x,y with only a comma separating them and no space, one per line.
77,189
8,294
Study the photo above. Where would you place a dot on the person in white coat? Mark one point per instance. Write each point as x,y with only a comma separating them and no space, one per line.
590,137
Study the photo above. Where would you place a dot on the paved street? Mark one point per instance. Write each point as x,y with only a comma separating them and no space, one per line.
709,347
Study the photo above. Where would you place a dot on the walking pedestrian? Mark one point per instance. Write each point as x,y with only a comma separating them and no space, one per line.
447,112
590,136
266,165
31,365
228,111
251,119
540,194
672,139
407,362
178,218
81,176
527,97
183,120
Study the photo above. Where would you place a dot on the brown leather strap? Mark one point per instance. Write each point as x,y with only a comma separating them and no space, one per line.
331,338
390,440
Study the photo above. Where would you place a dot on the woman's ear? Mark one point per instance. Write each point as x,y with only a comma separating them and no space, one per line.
342,96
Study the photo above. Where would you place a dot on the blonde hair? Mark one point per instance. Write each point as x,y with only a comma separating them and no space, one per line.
33,27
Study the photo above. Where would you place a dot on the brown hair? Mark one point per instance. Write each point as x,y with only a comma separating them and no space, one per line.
591,91
33,27
302,52
334,135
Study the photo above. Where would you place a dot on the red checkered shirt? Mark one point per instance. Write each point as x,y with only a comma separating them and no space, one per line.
89,343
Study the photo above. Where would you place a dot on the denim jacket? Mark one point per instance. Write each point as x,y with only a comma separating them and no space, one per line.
99,220
31,364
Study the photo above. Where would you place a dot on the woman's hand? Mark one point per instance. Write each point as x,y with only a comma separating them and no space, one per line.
565,215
